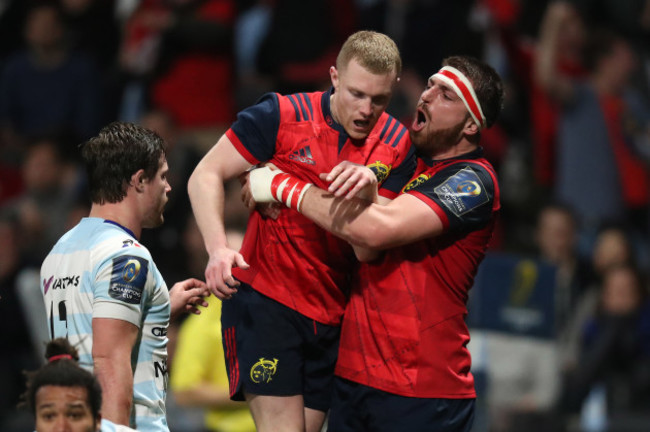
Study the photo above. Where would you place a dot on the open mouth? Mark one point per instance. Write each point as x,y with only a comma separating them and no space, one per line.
361,124
419,121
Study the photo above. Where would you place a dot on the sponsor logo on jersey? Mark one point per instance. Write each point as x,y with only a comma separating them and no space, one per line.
462,192
159,331
128,278
303,155
60,282
381,170
47,283
415,182
263,370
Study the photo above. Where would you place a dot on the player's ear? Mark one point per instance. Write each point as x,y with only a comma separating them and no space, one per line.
138,180
471,128
334,76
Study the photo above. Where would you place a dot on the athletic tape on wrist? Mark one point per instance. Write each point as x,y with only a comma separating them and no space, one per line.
289,190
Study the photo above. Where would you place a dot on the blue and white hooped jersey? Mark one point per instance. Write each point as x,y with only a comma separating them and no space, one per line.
99,270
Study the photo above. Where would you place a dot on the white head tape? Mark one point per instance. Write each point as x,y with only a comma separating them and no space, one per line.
465,91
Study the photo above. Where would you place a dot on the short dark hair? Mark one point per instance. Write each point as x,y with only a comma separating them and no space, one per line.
63,372
115,154
486,81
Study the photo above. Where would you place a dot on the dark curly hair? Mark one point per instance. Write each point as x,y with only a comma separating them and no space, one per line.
63,370
115,154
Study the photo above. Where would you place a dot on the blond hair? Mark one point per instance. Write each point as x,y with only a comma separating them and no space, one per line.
374,51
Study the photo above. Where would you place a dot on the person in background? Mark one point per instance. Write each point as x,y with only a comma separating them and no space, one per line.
198,372
63,396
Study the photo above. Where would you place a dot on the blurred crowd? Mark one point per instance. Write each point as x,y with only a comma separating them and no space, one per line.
572,151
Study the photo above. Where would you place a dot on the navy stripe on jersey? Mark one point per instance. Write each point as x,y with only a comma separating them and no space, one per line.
399,136
389,122
392,132
295,107
309,107
307,102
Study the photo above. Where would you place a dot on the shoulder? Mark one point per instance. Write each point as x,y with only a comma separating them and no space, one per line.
300,107
391,131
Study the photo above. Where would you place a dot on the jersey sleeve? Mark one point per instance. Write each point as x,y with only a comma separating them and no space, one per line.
462,195
123,283
255,131
401,172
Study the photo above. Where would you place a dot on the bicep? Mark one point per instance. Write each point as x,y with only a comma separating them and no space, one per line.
410,219
223,160
404,220
113,338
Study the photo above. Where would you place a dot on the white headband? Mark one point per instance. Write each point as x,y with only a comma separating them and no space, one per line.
465,91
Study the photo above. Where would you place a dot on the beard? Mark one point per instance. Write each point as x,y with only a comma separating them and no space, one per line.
437,141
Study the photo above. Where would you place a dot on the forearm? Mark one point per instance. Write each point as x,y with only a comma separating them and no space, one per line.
206,192
546,72
205,395
116,379
355,220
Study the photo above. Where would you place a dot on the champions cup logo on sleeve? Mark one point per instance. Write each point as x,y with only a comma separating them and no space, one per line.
465,91
131,270
263,370
462,192
128,279
381,170
468,188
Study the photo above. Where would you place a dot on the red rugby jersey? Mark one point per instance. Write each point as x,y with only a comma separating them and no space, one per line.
404,330
292,260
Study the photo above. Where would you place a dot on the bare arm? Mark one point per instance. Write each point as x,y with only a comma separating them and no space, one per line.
113,342
205,187
404,220
206,395
547,75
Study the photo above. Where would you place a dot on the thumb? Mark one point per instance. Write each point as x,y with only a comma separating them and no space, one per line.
239,262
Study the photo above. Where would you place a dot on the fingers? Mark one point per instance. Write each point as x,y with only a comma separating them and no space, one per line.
348,179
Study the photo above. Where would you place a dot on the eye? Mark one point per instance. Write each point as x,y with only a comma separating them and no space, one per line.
47,416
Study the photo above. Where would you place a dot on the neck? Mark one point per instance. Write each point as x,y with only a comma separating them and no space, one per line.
116,212
462,147
333,109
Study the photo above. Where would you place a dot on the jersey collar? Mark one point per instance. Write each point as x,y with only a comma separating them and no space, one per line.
474,154
327,112
128,231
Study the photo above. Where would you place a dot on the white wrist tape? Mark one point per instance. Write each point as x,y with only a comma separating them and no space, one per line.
260,180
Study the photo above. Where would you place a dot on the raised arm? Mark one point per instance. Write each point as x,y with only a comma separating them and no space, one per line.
205,187
546,72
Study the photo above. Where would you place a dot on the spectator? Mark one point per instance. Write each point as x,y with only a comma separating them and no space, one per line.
47,89
49,193
615,348
599,173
